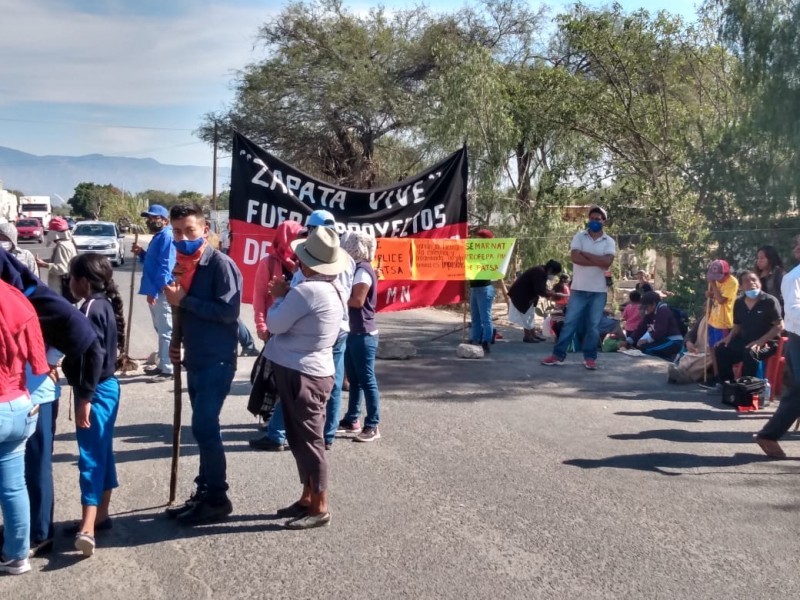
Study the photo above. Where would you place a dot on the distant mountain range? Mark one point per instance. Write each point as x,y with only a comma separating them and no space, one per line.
51,175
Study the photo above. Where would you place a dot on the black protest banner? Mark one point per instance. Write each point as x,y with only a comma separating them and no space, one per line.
265,191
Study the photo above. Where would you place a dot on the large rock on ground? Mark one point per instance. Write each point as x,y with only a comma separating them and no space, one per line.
396,351
469,351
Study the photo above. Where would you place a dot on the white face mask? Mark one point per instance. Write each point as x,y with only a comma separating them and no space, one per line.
551,277
7,246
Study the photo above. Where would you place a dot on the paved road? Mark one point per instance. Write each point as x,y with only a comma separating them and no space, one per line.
497,478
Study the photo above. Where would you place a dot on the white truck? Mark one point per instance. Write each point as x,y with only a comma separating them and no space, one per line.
36,207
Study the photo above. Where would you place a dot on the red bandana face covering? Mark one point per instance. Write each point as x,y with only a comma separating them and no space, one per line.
185,267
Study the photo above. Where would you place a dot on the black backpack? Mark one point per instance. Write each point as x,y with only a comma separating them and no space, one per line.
681,318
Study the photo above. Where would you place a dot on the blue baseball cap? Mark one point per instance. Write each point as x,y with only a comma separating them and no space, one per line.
156,210
320,218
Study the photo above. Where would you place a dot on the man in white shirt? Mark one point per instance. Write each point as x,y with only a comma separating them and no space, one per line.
789,408
592,253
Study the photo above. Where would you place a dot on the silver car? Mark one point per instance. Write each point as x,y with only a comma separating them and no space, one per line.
100,237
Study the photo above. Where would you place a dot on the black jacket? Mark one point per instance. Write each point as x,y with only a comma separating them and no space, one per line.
63,326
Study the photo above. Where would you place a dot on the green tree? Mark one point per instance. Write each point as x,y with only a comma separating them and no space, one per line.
89,199
334,87
189,196
165,199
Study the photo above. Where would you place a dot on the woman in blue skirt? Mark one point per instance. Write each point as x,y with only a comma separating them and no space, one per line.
91,280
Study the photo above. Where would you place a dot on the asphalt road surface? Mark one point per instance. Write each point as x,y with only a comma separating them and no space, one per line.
494,478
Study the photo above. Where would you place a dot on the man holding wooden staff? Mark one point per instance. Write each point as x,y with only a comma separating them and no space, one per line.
722,291
207,291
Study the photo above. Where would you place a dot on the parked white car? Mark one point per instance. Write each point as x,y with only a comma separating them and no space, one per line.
101,237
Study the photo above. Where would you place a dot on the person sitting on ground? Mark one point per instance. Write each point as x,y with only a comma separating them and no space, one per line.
643,285
561,292
690,365
632,313
8,240
524,296
658,334
769,268
757,324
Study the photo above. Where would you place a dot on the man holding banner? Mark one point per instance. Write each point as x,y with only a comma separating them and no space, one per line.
592,253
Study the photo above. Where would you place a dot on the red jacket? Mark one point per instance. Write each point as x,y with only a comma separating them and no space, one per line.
279,257
20,342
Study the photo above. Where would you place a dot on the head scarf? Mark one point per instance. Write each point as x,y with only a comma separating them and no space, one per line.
361,246
10,231
281,246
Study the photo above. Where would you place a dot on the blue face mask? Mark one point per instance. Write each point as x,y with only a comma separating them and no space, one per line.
752,293
595,226
188,247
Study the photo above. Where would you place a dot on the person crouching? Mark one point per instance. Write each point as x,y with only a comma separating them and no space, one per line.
658,334
304,323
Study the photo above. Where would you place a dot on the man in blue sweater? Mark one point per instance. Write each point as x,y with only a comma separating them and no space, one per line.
158,261
207,290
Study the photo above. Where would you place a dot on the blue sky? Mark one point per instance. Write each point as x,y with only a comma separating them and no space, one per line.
133,78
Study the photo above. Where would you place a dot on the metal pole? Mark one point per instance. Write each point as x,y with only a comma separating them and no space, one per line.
214,175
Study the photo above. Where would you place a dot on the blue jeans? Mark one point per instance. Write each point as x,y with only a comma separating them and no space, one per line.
335,401
359,364
98,470
245,337
207,391
584,309
161,313
480,306
276,428
16,426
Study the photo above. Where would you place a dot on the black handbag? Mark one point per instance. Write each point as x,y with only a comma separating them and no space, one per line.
742,391
264,393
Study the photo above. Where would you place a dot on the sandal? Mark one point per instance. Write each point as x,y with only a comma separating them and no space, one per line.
293,511
309,521
103,525
85,543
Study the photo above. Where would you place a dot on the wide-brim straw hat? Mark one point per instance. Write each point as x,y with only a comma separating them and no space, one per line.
320,252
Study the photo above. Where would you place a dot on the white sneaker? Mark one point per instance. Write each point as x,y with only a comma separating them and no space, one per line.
15,567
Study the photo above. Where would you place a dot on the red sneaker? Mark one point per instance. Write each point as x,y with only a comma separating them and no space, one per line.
551,360
590,364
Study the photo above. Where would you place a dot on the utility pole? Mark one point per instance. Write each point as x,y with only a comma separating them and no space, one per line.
214,175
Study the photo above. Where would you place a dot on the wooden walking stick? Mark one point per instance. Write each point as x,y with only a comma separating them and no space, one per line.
464,316
128,364
708,346
175,342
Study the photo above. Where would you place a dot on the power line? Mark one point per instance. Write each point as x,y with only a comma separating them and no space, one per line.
660,233
84,124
